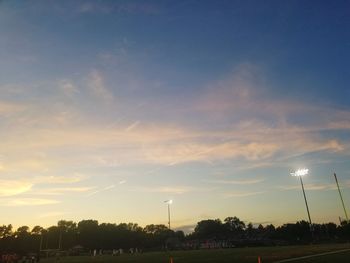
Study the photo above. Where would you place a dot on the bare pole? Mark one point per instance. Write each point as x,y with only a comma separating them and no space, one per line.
169,202
341,198
307,207
41,242
169,215
60,240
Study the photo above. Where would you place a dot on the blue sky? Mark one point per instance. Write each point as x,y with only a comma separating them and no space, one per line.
108,108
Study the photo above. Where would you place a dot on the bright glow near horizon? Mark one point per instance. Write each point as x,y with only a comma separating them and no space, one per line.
108,108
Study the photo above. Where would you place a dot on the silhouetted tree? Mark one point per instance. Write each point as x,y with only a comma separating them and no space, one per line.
67,233
209,229
88,234
92,235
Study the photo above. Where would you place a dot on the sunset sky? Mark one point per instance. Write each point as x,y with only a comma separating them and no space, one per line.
108,108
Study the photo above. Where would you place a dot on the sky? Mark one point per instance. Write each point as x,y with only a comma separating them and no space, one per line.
108,108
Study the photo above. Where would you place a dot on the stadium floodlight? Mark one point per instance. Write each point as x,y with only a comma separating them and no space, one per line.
168,202
300,173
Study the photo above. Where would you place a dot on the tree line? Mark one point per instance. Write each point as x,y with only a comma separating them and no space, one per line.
91,235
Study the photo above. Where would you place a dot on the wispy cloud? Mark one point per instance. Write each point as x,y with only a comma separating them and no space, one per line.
61,179
167,145
236,182
63,190
27,202
10,108
69,88
117,110
257,131
51,214
109,187
242,194
168,190
132,126
91,7
119,7
316,187
34,186
172,189
97,86
14,187
140,8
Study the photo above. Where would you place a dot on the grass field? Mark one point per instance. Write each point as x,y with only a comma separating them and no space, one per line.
244,255
341,257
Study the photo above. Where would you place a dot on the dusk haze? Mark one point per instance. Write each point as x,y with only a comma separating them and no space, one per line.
172,112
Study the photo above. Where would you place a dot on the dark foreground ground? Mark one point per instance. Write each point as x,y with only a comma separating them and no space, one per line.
241,255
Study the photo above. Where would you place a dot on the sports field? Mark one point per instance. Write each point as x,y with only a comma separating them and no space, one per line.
244,255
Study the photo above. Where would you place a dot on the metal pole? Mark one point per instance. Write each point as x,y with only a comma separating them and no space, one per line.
60,240
169,215
341,198
41,242
307,207
47,241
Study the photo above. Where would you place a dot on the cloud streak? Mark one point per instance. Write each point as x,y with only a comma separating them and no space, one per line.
235,182
178,190
258,131
132,8
109,187
316,187
97,86
10,108
51,214
27,202
14,187
164,145
63,190
242,194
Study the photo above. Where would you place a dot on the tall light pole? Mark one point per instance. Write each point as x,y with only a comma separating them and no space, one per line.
300,173
168,202
60,240
341,198
41,242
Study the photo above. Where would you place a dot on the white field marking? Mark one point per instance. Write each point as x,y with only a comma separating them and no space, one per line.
314,255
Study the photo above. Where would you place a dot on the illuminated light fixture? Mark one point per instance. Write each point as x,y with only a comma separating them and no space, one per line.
300,172
168,202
